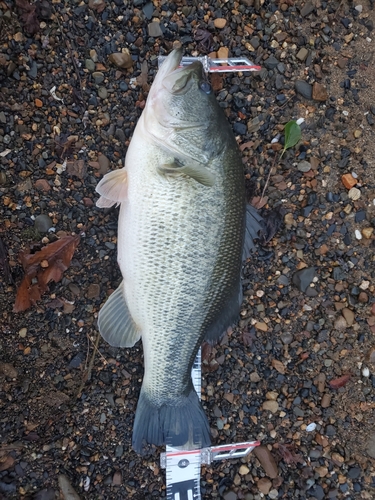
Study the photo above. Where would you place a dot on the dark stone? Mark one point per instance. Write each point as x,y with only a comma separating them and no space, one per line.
316,492
345,22
330,431
271,62
360,216
76,361
354,472
148,10
307,9
303,278
303,88
240,128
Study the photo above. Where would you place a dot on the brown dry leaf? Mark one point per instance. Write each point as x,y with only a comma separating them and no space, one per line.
58,256
288,454
279,366
142,78
259,201
340,381
6,462
77,168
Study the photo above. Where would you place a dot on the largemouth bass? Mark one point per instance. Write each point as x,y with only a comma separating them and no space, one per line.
181,234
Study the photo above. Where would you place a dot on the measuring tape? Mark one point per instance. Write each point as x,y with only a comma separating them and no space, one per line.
183,467
215,65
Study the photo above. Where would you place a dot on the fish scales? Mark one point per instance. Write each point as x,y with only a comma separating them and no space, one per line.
180,243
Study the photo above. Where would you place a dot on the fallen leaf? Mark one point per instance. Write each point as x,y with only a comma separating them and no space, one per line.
77,168
248,337
336,383
6,462
142,78
288,454
28,16
272,221
209,363
279,366
58,255
259,201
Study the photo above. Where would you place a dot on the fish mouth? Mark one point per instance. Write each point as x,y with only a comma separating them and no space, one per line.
175,78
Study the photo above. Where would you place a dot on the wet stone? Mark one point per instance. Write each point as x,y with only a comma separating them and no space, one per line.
279,82
77,360
154,29
330,431
354,472
302,54
304,166
267,461
271,62
286,338
43,223
45,494
316,492
102,92
303,88
303,278
319,92
148,10
98,77
119,451
307,9
240,128
93,291
255,42
90,65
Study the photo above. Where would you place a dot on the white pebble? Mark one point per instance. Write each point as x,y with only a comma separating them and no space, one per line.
311,427
358,234
86,484
300,120
354,193
358,8
364,285
368,39
355,175
366,372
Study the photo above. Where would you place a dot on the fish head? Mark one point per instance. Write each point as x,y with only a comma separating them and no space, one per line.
181,101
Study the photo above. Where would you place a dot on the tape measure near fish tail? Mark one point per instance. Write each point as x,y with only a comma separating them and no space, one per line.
183,467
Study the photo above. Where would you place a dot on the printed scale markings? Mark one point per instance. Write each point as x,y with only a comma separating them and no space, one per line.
183,468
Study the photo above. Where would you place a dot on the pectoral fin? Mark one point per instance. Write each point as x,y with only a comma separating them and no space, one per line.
193,169
115,323
112,188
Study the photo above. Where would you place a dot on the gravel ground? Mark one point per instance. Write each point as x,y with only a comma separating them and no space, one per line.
298,371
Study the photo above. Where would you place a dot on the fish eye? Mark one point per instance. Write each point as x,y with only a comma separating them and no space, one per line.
206,87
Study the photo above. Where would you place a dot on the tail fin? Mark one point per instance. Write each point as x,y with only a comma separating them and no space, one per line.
182,423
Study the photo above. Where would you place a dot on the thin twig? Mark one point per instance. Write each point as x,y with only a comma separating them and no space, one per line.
267,181
339,7
87,374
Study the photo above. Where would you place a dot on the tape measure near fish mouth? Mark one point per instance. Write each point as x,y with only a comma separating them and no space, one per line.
216,65
183,467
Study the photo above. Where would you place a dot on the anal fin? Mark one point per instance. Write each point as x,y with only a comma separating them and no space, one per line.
115,323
